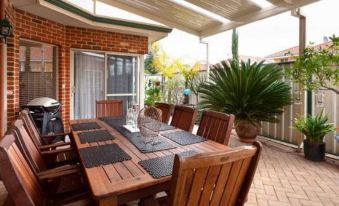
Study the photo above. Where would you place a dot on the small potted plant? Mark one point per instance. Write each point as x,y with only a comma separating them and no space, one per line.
314,128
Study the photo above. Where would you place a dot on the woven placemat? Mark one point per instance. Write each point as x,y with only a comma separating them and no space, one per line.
114,121
184,138
162,166
95,136
136,139
85,126
102,155
165,127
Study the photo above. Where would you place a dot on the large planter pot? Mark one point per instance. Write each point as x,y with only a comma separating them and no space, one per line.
246,131
314,151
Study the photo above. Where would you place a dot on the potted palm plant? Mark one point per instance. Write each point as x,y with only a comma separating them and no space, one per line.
314,128
253,92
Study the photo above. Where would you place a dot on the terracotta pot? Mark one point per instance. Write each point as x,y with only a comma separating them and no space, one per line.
246,131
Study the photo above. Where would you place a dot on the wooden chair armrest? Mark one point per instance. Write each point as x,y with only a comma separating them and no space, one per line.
59,169
53,146
56,151
55,135
54,175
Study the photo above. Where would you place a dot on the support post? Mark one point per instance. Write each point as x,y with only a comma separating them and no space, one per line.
3,75
302,46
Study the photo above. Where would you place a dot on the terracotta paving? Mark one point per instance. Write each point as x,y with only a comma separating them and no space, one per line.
285,178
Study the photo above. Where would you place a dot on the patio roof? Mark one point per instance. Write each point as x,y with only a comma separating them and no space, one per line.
155,18
207,17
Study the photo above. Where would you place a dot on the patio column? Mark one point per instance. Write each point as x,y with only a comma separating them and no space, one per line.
302,46
3,75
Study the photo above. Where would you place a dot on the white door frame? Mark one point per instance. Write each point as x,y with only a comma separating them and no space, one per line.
140,75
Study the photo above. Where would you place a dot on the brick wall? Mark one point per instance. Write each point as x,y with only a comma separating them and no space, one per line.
32,27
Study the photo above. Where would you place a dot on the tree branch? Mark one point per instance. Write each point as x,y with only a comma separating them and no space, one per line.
331,89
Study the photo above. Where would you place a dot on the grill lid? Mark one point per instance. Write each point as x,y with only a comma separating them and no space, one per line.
44,102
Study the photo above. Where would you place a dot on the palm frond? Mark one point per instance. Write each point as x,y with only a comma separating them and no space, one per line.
250,91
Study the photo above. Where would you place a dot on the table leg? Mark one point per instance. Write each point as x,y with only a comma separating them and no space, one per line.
108,201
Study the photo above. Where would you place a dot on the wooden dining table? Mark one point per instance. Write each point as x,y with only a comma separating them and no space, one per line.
121,182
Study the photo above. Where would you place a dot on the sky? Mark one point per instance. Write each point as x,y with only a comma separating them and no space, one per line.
260,38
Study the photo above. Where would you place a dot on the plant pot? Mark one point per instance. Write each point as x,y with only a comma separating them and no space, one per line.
314,151
246,131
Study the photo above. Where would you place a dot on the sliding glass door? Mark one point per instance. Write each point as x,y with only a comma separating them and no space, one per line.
89,84
122,78
96,80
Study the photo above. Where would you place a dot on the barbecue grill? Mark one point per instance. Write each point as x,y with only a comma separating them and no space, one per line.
46,113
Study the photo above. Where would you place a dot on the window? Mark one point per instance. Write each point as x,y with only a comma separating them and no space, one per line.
37,71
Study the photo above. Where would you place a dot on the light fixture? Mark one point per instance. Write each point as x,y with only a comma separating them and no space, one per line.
5,28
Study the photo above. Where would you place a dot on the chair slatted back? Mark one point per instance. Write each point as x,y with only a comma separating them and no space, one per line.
166,110
31,127
19,179
184,117
109,108
217,178
28,148
216,126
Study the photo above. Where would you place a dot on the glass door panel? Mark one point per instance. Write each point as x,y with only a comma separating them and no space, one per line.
122,78
89,83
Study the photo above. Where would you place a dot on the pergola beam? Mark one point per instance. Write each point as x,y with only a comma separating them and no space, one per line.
271,11
157,18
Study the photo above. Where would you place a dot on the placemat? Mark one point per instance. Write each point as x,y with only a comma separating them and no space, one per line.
102,155
165,127
85,126
136,139
162,166
95,136
114,121
184,138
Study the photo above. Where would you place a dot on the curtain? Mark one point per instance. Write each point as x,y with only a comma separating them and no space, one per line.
89,83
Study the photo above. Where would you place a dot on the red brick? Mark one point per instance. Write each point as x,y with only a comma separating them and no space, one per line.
33,27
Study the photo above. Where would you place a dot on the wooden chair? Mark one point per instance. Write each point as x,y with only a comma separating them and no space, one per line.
216,126
33,131
40,158
23,186
184,117
166,111
109,108
218,178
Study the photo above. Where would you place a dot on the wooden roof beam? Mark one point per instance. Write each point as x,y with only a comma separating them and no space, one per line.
278,9
145,14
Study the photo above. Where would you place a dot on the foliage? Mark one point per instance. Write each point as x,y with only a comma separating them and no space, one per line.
252,92
196,84
159,61
173,88
314,127
150,67
188,72
317,68
235,43
152,92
